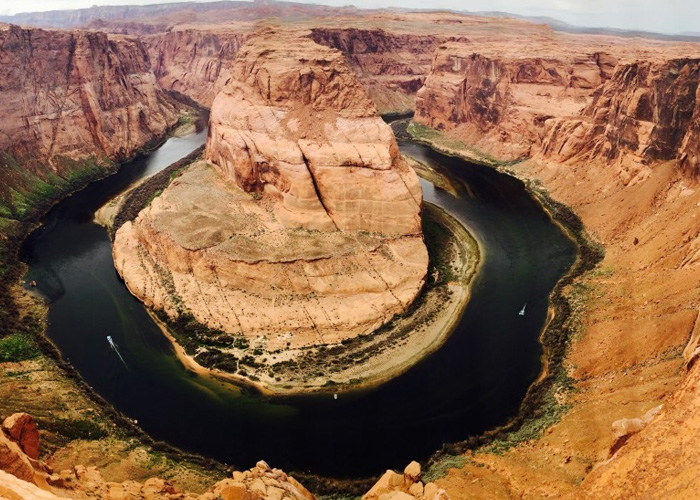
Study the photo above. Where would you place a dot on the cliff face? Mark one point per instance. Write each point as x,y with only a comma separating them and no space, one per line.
647,112
617,144
566,107
190,61
306,230
306,133
77,94
500,104
392,66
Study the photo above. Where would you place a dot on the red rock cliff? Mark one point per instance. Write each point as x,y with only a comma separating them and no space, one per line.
392,66
77,95
500,104
646,113
305,228
191,61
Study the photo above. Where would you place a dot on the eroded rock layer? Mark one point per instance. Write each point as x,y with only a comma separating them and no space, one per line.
392,66
307,228
647,112
190,61
77,95
500,105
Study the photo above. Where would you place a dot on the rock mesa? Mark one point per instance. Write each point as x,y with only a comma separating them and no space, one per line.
304,226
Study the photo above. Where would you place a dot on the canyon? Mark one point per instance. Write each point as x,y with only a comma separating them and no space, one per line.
605,124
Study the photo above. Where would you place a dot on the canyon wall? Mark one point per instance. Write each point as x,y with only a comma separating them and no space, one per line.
190,61
501,105
646,113
565,107
305,228
613,134
392,66
78,95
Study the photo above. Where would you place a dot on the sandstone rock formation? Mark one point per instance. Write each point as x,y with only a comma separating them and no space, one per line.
307,230
391,65
500,104
647,112
406,486
14,488
259,483
190,61
77,95
617,154
22,429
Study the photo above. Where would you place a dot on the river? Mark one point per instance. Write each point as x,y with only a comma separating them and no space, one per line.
475,382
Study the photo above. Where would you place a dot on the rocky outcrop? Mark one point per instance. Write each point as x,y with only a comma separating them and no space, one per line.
259,483
500,105
406,486
23,477
191,61
22,429
392,66
647,112
77,95
307,228
14,488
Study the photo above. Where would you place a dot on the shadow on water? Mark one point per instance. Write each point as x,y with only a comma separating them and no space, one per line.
475,382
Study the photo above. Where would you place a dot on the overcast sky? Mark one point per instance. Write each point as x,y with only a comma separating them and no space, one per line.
665,16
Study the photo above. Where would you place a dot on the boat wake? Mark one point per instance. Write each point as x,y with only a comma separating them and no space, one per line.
116,349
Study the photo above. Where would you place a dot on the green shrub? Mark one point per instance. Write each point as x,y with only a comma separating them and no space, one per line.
18,347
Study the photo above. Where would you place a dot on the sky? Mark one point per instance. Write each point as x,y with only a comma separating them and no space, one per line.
663,16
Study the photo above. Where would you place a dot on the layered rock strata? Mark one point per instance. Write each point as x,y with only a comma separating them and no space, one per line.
648,112
501,105
190,61
306,227
392,66
77,95
624,159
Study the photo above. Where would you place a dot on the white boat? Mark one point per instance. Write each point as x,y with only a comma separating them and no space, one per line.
522,311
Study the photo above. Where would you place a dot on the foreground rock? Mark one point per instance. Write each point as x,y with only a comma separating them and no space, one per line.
307,228
406,486
22,477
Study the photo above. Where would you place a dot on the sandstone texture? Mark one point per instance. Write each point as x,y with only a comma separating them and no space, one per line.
306,230
21,428
646,113
610,125
77,95
501,104
391,65
406,486
190,61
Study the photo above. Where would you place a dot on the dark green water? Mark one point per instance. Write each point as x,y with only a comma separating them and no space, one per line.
475,382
